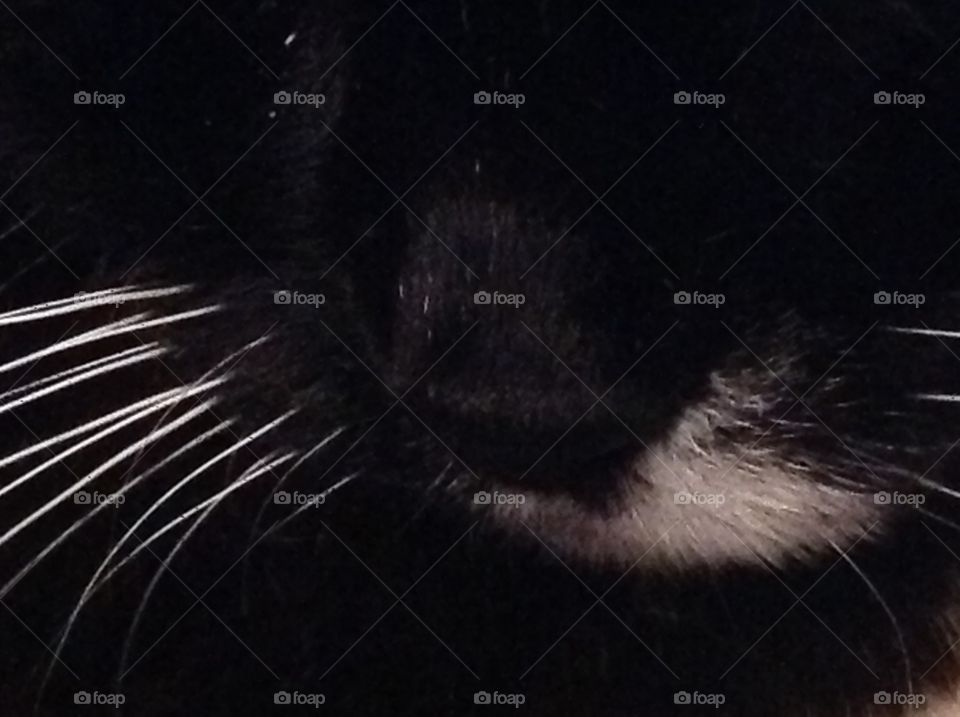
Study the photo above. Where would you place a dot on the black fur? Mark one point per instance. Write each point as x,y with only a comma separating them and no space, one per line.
318,202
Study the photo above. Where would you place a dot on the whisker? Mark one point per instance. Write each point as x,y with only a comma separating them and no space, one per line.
81,302
944,397
46,380
925,332
886,608
283,479
127,325
140,357
87,427
261,466
129,486
103,468
175,396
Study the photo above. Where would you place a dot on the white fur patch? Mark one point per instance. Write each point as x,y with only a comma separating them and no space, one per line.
692,500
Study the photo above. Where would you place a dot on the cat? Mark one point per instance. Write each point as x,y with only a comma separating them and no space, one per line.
567,357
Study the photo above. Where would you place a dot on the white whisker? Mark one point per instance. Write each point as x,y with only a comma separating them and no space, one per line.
886,608
87,427
944,397
47,380
103,468
283,479
85,301
128,325
176,395
261,466
80,378
129,486
95,582
925,332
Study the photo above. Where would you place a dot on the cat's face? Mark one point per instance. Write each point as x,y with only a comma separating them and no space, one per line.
654,294
629,316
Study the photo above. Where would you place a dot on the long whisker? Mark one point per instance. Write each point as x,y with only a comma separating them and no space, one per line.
129,486
128,325
263,465
886,608
925,332
47,380
103,468
95,582
89,426
85,301
80,378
